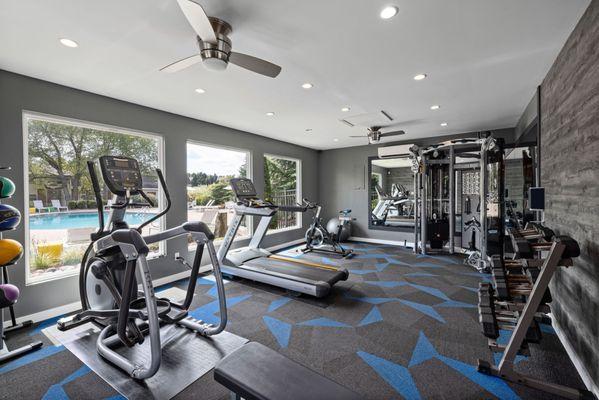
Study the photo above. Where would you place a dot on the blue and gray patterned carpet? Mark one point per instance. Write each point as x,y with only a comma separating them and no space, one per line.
402,326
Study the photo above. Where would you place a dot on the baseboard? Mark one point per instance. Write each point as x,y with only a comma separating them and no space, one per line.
381,241
68,308
576,360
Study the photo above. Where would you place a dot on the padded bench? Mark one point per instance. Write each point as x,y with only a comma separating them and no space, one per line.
256,372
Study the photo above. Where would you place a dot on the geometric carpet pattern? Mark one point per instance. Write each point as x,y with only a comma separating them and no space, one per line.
403,326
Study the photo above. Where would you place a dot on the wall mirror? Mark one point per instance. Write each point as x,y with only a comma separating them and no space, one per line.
390,194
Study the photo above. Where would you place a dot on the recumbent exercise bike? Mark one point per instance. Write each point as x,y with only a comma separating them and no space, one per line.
116,259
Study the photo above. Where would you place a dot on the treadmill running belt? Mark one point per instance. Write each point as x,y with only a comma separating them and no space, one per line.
294,271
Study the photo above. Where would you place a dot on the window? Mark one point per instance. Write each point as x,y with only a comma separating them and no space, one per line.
209,196
61,211
282,177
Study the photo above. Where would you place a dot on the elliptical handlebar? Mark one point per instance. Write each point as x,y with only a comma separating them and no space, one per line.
91,166
167,195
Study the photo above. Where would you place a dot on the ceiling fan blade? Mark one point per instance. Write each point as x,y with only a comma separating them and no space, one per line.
182,64
198,19
254,64
394,133
359,136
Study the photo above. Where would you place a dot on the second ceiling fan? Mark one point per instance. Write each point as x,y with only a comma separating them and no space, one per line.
215,45
374,134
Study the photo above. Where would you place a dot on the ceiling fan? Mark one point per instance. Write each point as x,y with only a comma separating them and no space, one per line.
215,45
374,134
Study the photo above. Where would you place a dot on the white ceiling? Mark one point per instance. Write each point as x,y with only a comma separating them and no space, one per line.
483,58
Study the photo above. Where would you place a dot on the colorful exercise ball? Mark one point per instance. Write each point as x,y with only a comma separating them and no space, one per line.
9,217
10,251
7,187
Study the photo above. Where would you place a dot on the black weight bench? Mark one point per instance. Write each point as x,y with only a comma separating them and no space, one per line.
255,372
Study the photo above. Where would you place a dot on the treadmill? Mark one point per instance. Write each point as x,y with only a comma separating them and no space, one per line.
257,264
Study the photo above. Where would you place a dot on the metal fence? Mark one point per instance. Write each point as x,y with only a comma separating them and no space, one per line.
284,219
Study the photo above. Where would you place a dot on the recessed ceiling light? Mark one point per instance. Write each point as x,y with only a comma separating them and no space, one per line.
435,107
200,91
270,114
335,140
419,77
443,123
307,85
389,12
345,109
68,42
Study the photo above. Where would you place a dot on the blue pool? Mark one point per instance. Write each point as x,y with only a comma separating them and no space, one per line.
70,220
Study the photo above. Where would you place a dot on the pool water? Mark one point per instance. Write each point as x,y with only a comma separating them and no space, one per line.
69,220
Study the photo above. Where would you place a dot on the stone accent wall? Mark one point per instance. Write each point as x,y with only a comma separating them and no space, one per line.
570,174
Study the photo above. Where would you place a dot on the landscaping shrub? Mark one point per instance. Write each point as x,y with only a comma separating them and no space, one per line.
72,204
43,261
81,204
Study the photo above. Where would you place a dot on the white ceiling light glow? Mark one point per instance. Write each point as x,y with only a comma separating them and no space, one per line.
335,140
270,114
345,109
435,107
69,43
443,123
307,85
389,12
419,77
200,91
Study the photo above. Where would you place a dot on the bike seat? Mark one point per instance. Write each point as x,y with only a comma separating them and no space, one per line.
346,211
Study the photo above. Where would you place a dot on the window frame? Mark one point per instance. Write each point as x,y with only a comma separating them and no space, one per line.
33,115
249,220
298,192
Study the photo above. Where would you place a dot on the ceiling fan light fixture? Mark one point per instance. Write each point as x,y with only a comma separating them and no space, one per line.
389,12
345,109
435,107
443,123
69,43
419,77
270,114
307,85
200,91
215,64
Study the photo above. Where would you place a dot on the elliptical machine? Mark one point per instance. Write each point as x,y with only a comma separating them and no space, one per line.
317,236
116,259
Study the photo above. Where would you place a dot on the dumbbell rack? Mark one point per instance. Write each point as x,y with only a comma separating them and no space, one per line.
558,253
5,354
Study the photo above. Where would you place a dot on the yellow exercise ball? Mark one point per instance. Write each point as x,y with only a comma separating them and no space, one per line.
10,251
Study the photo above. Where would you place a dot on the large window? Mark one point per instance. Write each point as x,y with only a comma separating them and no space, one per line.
282,186
209,196
61,211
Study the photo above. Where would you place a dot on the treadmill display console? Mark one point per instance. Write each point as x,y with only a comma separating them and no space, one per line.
243,188
121,174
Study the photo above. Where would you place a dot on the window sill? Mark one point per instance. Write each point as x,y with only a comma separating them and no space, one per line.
282,230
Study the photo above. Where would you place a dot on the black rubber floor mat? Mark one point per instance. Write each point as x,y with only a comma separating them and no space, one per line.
186,357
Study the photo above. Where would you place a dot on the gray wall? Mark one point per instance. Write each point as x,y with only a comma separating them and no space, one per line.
343,183
18,93
570,174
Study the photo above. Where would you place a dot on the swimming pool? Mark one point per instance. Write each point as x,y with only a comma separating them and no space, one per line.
71,220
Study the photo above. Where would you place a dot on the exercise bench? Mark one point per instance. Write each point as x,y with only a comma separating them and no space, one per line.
256,372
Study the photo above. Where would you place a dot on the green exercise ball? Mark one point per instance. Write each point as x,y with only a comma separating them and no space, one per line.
7,187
